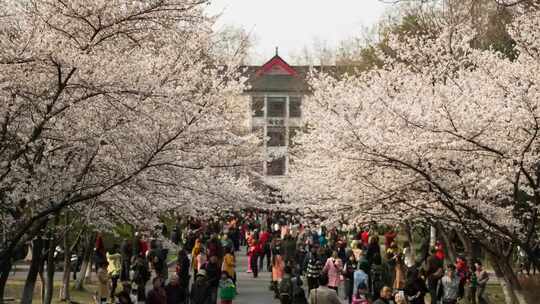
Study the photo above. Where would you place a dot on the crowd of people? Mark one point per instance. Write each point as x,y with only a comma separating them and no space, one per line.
312,265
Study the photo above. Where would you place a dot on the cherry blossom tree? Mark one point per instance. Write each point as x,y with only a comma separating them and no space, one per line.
120,103
443,132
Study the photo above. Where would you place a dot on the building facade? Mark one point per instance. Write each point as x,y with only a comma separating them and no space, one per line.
276,91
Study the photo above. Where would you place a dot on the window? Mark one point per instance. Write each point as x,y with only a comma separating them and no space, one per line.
292,133
276,167
257,106
276,106
295,106
277,136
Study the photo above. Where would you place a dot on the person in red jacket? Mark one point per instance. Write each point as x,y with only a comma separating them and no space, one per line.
389,238
364,236
439,251
463,273
264,240
254,252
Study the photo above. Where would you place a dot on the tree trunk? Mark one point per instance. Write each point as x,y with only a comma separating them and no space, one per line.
423,250
513,291
407,229
467,245
509,297
49,278
432,236
35,267
64,290
42,282
86,263
5,268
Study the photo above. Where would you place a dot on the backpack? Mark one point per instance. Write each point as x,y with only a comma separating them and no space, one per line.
299,295
141,274
377,278
285,287
199,291
377,274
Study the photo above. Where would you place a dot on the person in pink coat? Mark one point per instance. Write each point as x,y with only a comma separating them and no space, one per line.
333,268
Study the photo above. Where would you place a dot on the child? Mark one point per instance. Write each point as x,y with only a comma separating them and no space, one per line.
360,297
227,289
229,264
103,282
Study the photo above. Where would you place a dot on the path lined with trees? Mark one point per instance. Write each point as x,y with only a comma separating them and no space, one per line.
120,115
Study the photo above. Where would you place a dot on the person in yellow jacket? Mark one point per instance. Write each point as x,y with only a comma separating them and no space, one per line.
229,264
115,267
103,291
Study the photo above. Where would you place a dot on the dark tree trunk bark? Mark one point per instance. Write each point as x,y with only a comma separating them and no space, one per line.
509,297
468,246
5,268
64,290
407,229
424,245
513,291
35,267
86,263
49,275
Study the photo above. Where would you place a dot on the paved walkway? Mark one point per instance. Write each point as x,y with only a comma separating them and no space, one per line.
252,290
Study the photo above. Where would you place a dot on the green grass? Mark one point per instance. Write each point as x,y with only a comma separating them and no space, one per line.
495,294
14,290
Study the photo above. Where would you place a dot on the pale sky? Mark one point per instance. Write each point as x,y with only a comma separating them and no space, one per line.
293,24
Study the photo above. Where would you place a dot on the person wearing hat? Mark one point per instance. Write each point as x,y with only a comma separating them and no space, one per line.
199,290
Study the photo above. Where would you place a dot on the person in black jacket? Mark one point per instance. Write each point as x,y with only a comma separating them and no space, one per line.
415,287
182,269
373,254
141,275
126,250
199,290
313,269
351,265
213,272
175,293
298,295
